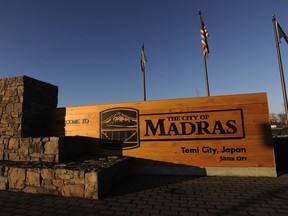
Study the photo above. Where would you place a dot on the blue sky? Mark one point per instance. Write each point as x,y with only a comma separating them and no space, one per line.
91,49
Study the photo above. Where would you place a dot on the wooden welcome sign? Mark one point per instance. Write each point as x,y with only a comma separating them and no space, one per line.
221,131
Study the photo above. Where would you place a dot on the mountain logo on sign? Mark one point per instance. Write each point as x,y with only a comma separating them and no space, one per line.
119,119
119,128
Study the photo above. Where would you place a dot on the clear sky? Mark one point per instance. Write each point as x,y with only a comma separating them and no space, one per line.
91,49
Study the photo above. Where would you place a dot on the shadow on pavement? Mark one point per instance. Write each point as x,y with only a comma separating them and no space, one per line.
140,183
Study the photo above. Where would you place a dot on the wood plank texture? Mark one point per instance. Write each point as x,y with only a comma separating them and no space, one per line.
223,131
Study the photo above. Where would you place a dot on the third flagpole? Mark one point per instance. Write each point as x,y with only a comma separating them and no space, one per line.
276,33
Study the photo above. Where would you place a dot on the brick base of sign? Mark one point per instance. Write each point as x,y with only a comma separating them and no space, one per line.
92,179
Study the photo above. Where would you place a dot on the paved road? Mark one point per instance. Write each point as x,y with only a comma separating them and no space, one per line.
164,195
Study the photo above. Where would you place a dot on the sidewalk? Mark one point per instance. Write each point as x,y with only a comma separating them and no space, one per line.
164,195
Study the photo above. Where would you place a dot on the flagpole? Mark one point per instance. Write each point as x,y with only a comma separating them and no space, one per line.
280,67
206,77
205,56
144,85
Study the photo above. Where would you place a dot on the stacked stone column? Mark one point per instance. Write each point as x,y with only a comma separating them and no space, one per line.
24,102
32,162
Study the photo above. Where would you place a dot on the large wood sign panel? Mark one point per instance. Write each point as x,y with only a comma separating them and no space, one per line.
221,131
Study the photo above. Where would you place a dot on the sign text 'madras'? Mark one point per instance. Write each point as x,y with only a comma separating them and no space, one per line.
216,124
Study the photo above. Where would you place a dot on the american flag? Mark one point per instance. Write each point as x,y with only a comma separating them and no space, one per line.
204,36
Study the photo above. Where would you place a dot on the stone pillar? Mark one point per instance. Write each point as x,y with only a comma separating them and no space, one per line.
24,102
